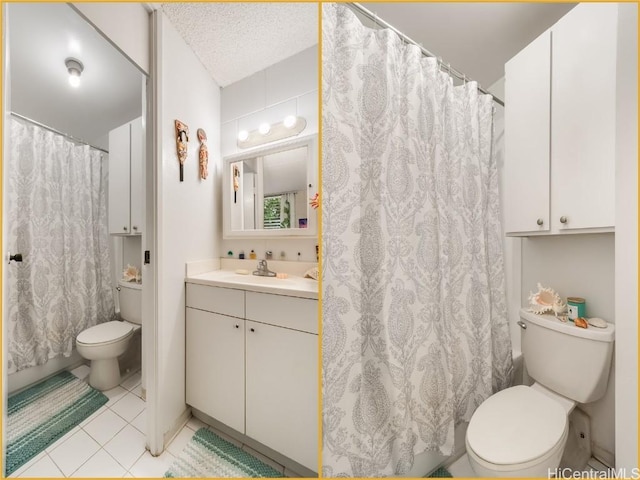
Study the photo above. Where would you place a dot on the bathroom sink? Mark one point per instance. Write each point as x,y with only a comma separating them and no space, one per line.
292,286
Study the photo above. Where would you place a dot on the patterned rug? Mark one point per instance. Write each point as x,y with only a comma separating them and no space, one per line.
207,455
440,473
40,415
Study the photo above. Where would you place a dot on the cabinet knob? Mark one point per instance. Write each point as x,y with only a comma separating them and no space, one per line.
563,219
135,228
124,228
253,329
237,326
540,222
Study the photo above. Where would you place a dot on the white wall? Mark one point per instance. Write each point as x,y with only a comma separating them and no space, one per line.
188,214
125,24
286,88
626,241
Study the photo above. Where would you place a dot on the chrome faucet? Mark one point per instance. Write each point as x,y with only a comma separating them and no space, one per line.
263,270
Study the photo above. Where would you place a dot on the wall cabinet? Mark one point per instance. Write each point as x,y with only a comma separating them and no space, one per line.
560,127
125,178
257,371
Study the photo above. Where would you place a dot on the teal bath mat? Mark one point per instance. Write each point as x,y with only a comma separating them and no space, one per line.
440,473
207,455
42,414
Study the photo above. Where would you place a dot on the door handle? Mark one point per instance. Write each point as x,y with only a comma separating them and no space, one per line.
16,257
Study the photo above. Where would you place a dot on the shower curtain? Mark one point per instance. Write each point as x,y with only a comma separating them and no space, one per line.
415,334
57,218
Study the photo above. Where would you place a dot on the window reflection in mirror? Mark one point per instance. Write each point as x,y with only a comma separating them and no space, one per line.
269,191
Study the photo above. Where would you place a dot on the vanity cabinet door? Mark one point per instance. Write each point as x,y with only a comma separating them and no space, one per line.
215,362
282,391
136,169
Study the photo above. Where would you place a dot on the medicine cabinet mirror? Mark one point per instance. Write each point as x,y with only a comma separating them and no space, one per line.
267,191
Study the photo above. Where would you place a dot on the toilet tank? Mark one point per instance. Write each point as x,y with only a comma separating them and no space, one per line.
572,361
130,299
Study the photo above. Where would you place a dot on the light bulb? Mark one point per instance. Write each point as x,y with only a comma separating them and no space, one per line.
264,128
290,121
74,79
243,135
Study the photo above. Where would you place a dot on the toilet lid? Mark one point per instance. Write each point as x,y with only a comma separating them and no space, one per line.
516,425
105,332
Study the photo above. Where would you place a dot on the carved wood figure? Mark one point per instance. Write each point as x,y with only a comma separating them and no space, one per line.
182,138
203,156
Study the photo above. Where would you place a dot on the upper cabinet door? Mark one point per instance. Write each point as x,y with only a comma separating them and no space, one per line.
583,118
137,182
119,180
527,132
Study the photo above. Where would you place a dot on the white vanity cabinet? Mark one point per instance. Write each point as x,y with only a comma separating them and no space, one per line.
252,364
560,127
125,178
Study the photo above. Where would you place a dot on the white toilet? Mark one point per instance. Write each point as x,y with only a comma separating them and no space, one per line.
522,431
105,342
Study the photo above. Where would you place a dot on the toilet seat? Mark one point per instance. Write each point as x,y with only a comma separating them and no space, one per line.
105,333
519,426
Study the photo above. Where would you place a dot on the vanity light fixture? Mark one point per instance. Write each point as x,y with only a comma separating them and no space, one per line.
243,135
264,128
290,126
75,68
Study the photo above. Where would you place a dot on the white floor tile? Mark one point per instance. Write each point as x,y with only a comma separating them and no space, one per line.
101,465
114,395
43,468
140,422
128,475
74,452
104,428
132,382
94,415
82,372
62,439
196,424
149,466
128,407
180,440
137,391
462,468
127,446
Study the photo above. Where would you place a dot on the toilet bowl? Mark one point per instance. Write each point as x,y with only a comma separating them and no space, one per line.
518,432
522,431
105,342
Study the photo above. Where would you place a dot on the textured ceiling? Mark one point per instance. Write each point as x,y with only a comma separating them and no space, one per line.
477,39
235,40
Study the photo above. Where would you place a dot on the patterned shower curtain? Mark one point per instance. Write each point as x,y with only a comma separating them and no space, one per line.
57,218
415,334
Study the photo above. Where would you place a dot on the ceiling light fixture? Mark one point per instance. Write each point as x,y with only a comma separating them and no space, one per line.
75,68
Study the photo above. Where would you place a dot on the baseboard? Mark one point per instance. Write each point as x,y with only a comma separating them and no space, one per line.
175,428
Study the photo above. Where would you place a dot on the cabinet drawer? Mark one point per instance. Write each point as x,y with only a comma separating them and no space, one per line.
215,299
290,312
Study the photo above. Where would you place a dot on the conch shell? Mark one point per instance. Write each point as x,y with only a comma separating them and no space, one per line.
131,274
545,300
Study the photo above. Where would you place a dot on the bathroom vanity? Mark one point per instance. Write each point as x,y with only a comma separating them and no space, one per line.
252,358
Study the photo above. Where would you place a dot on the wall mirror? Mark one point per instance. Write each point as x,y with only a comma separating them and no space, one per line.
266,191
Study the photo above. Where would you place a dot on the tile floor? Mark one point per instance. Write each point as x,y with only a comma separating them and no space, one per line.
111,442
461,468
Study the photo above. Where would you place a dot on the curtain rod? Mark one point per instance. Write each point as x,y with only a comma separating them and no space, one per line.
452,71
51,129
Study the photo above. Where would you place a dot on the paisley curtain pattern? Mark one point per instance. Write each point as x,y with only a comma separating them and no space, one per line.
57,218
415,334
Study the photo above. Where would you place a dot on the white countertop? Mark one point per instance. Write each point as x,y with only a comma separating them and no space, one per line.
293,286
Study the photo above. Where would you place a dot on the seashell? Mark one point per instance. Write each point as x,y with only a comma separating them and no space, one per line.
581,322
559,307
597,322
543,300
562,318
131,274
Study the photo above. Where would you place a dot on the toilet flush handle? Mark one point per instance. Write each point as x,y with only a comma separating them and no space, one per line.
522,324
